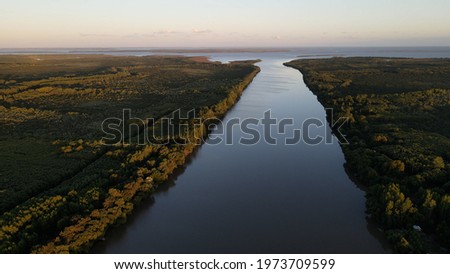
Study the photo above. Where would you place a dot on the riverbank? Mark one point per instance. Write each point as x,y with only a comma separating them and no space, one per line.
120,202
71,216
399,139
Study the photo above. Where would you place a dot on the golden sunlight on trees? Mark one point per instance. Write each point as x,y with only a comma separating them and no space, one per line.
76,188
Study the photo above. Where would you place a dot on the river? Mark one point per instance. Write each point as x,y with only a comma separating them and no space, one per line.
261,198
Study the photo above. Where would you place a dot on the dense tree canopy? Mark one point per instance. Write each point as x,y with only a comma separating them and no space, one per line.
399,133
60,187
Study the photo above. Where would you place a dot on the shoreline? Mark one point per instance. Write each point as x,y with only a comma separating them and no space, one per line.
358,183
135,192
69,216
404,230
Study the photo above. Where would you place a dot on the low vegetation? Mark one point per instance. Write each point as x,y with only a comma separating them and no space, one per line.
399,134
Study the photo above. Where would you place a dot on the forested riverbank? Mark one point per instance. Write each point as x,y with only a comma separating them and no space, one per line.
399,140
61,188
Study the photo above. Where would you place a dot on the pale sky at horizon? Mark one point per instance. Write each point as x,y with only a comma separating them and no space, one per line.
202,23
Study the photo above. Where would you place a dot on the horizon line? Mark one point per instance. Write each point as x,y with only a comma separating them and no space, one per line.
221,47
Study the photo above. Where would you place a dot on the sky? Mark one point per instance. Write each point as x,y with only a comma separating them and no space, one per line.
231,23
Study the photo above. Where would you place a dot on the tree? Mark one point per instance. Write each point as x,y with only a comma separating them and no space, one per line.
438,162
399,209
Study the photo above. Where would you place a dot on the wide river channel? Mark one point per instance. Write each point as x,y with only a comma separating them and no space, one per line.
260,198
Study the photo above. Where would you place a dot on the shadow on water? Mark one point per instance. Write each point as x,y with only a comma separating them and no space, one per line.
146,204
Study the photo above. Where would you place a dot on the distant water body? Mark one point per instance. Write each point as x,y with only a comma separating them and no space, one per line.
411,52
